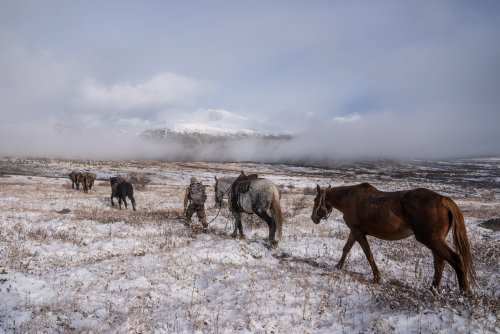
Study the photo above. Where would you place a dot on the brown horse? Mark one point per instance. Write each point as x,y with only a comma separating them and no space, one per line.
397,215
76,178
88,181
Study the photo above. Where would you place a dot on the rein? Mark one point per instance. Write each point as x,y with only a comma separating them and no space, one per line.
210,222
220,205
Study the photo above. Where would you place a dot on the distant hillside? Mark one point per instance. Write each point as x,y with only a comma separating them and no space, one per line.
208,136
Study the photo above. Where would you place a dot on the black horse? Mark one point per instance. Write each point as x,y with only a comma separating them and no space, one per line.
121,189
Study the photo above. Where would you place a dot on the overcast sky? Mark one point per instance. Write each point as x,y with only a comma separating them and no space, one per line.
346,78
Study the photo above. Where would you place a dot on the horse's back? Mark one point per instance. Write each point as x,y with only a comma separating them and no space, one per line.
125,187
262,186
421,200
260,194
405,204
398,214
424,208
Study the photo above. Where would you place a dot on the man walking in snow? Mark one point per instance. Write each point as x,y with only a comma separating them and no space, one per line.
194,202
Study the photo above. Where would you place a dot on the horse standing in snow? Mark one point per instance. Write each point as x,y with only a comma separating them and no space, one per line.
121,189
398,215
262,198
76,178
88,181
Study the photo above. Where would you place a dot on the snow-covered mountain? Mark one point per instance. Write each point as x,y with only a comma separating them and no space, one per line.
202,134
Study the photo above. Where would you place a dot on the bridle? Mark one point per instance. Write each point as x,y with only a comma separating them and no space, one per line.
322,205
224,194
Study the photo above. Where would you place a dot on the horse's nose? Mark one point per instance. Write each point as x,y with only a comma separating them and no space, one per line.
315,219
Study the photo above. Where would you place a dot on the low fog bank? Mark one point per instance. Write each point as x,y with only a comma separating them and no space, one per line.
324,144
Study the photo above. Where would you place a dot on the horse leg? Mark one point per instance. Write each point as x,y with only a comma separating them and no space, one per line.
125,201
347,248
441,249
237,221
120,202
240,228
438,270
361,239
132,200
112,203
272,226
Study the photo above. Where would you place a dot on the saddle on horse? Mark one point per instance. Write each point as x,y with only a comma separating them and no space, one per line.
240,186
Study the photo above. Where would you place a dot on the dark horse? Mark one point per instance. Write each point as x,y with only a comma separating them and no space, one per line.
121,189
262,198
397,215
76,178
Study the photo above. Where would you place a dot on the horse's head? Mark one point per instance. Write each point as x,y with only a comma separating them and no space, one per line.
114,181
320,209
219,193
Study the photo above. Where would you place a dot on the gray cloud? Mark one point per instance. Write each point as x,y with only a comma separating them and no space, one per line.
349,79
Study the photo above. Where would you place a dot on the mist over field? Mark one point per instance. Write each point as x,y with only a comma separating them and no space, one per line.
329,144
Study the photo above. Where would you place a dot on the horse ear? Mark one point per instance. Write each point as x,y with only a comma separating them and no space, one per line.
318,188
215,177
329,186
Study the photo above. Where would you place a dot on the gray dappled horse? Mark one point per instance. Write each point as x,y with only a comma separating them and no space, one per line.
262,198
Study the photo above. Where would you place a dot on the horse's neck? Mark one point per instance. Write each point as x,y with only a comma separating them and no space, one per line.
225,183
337,197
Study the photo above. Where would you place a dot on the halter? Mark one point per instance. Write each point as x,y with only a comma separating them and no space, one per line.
322,205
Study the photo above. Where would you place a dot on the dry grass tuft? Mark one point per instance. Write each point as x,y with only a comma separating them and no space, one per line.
399,296
309,191
139,180
492,224
299,204
128,216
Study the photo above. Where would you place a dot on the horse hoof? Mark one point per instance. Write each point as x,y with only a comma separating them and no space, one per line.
233,235
376,280
274,244
242,237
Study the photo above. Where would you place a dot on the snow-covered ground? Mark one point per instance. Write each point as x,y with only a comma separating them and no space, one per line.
98,269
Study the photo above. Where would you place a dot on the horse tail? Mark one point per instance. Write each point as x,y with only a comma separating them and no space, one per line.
276,211
460,239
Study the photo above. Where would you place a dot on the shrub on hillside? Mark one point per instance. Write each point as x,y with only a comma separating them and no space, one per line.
139,180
